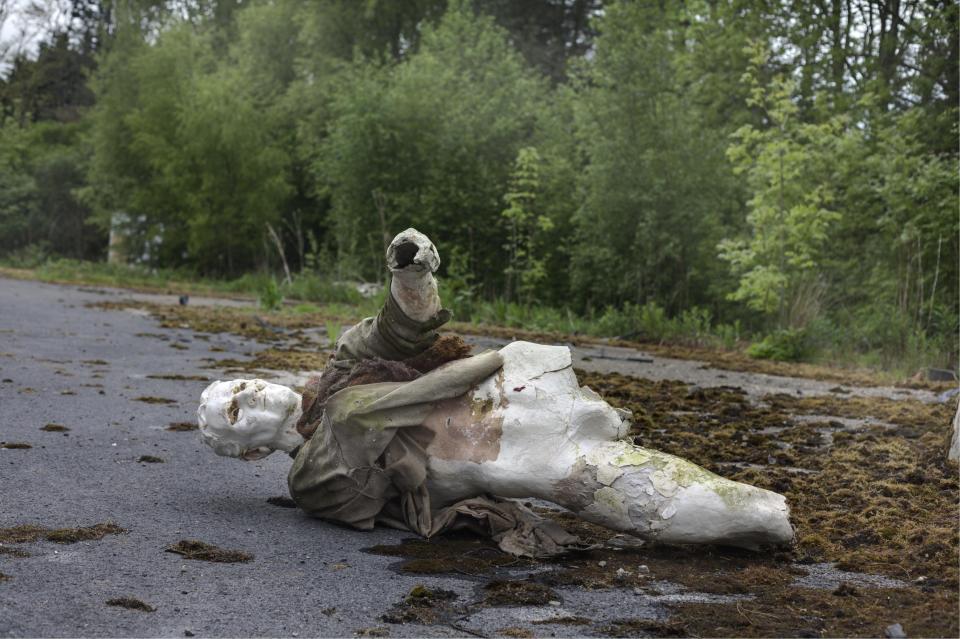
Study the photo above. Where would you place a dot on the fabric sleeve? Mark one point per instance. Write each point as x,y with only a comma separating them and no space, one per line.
390,335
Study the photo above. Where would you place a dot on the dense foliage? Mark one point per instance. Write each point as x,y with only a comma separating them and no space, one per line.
789,168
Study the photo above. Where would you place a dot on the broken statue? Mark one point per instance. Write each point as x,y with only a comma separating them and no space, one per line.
404,428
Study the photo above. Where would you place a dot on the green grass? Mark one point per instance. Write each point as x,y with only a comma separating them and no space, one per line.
823,343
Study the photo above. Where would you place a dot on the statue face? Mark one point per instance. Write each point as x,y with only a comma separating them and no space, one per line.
248,418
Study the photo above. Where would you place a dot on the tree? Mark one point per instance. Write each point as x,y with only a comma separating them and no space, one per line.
655,183
788,171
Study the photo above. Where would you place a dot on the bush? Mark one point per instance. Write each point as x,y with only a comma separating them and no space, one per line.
270,296
783,346
313,288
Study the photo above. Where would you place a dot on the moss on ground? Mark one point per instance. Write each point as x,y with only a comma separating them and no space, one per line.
27,533
200,551
130,603
180,427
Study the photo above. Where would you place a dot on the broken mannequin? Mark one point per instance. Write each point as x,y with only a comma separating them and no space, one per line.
401,429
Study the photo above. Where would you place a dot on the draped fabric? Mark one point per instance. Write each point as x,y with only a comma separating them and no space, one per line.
366,461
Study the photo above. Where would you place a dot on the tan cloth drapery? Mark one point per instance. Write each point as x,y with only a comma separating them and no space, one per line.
366,461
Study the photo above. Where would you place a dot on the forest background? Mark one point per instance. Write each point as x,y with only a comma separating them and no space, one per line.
714,172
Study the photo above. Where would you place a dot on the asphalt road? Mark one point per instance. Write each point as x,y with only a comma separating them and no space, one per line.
84,368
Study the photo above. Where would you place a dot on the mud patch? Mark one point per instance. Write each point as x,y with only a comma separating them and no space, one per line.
180,427
130,604
154,400
54,428
200,551
455,553
15,445
150,459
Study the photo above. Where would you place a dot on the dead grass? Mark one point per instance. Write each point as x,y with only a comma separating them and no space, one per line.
130,604
27,533
200,551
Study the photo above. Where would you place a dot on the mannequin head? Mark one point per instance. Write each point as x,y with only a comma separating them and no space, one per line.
249,418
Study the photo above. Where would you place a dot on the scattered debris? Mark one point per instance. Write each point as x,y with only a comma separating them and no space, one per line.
154,400
282,502
846,590
179,427
89,533
180,378
130,604
518,593
27,533
378,631
422,605
198,550
645,628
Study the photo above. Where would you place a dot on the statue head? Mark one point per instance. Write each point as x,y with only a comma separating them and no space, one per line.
249,418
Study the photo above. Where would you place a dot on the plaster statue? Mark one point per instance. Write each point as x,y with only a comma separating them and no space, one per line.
442,449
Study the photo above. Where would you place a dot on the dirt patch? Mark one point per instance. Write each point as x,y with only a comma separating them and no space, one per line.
180,378
518,593
130,604
180,427
514,631
282,502
4,577
198,550
15,445
95,362
27,533
150,459
13,552
421,605
154,400
54,428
